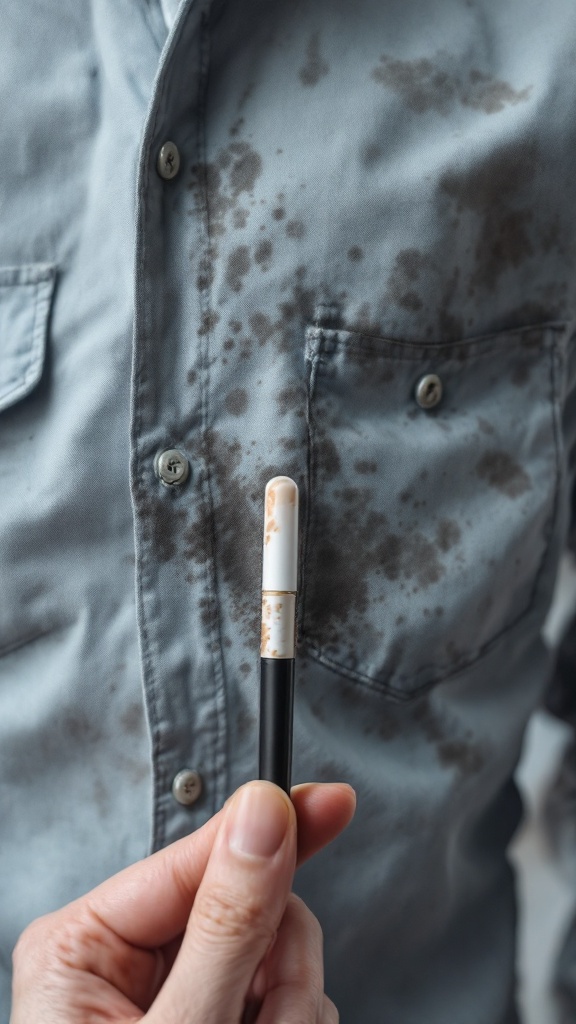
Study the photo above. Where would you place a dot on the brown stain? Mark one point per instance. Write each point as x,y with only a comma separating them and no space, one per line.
295,229
236,540
364,466
237,268
240,218
424,85
265,638
290,398
262,327
502,472
314,67
355,253
455,747
408,265
492,191
263,253
208,322
132,719
236,401
161,519
219,184
448,534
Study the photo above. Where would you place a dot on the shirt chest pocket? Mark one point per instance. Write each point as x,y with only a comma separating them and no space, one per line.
25,296
433,480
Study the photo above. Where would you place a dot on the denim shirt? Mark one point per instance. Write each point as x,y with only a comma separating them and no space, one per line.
363,276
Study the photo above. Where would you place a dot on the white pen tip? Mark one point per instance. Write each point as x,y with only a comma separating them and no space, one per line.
280,561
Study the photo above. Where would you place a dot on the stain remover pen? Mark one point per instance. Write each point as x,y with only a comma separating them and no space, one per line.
277,649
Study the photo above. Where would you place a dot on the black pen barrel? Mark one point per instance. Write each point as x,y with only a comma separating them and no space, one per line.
276,710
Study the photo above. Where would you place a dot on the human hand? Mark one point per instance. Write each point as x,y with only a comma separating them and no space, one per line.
203,932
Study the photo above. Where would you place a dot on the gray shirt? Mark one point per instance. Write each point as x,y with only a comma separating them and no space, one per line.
361,274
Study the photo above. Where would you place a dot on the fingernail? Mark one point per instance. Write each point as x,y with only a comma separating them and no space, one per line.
259,823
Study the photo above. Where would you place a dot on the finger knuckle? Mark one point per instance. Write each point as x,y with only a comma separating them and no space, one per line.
223,914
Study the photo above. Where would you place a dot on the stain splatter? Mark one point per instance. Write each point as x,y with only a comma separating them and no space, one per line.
408,265
355,253
315,67
238,267
503,473
365,466
263,253
455,746
289,398
448,534
236,401
425,85
492,190
295,229
278,213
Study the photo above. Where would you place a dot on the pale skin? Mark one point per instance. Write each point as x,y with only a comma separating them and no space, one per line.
206,931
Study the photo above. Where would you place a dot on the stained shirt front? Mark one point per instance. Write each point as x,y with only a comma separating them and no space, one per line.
358,270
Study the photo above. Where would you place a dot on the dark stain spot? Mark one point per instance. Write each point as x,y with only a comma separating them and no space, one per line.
278,213
408,265
290,398
355,253
236,543
192,376
236,401
240,217
161,520
290,444
219,184
262,327
245,668
425,85
295,229
132,719
235,129
263,253
500,471
455,746
315,67
245,723
238,267
448,534
365,466
492,190
327,458
229,344
209,320
484,425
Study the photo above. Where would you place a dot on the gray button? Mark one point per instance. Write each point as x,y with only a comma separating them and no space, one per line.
429,391
187,787
172,467
168,163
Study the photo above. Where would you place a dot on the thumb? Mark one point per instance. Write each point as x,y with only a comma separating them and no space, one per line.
237,911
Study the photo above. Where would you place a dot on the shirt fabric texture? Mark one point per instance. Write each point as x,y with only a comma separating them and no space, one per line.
368,193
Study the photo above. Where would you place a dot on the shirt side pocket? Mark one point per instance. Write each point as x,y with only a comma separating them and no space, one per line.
25,299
